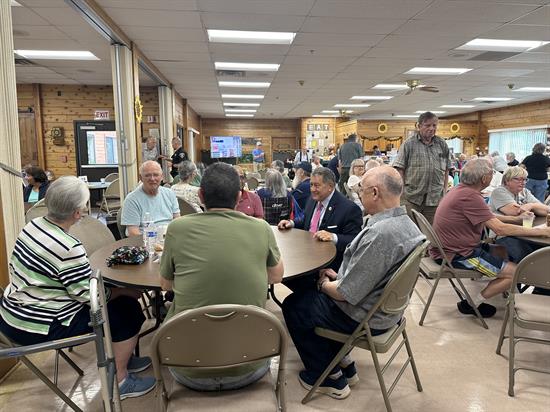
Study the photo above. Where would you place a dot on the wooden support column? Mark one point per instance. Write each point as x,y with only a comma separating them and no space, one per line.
11,198
166,120
123,92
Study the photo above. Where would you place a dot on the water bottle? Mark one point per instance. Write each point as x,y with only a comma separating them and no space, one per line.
149,233
456,179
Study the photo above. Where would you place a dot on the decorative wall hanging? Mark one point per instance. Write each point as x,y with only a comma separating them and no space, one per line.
58,136
382,128
455,128
138,108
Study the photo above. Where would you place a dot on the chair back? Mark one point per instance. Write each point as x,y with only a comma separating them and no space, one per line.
218,336
92,233
533,270
39,209
255,175
349,194
113,191
252,183
119,225
111,177
262,173
185,207
428,231
399,288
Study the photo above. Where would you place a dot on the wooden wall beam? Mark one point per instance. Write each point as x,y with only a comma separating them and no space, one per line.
39,131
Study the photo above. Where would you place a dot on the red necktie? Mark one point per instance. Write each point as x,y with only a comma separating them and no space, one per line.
314,225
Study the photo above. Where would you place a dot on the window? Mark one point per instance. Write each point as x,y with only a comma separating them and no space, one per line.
518,141
455,144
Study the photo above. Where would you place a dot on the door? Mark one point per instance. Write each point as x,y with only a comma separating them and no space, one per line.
27,137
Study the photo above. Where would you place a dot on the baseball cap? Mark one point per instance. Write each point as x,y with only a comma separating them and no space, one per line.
305,166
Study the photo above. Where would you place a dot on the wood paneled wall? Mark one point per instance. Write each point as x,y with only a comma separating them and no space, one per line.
260,129
344,129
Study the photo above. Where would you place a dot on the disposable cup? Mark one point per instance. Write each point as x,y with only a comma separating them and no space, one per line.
528,221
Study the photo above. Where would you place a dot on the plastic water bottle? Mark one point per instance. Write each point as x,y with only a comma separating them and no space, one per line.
149,233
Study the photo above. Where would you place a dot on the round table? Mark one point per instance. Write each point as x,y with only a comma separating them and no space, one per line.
539,240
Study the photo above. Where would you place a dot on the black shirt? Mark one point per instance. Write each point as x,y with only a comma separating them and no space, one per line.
178,157
536,165
513,162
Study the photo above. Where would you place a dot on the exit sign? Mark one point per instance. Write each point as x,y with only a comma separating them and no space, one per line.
101,115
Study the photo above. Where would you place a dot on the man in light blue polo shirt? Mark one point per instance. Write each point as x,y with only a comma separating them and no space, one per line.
151,197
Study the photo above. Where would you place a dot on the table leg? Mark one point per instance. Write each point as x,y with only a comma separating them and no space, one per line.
158,319
272,294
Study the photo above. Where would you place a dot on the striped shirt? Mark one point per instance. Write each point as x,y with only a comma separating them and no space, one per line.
49,278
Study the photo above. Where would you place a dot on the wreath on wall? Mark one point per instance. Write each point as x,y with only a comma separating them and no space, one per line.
138,109
455,128
382,128
387,138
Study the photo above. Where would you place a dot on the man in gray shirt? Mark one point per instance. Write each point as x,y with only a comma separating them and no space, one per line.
344,298
349,151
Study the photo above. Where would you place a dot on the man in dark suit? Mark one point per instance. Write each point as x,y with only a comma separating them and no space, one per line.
301,184
329,215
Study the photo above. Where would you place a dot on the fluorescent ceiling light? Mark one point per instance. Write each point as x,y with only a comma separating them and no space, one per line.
344,105
532,89
325,115
242,96
412,116
458,106
253,37
371,97
56,54
238,115
255,67
330,111
492,99
240,110
502,45
432,111
438,70
241,104
392,86
260,85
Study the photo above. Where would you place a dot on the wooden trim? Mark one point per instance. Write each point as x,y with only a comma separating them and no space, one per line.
39,131
150,67
135,83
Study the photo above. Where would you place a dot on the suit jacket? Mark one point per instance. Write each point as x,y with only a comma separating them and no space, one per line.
301,193
342,217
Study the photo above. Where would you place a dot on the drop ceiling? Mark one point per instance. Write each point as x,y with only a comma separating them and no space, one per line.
342,48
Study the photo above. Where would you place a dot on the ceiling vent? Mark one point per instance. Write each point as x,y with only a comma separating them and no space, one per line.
23,62
231,73
493,56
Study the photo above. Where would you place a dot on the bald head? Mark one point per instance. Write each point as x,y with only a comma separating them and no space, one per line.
381,189
151,176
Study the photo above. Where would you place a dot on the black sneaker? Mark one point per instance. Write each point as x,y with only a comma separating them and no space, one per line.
350,373
485,310
335,388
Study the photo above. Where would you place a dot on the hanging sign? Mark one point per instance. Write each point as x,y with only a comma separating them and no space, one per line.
101,115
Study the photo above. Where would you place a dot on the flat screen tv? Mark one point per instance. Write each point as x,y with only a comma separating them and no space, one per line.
225,146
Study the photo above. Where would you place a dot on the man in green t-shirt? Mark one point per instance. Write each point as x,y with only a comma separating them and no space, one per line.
219,257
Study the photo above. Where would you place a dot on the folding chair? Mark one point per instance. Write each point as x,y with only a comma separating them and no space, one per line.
430,269
252,183
394,300
220,337
101,336
525,310
110,201
37,210
185,207
111,177
92,233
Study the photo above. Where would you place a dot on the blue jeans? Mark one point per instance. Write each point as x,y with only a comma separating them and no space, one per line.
517,248
303,312
537,187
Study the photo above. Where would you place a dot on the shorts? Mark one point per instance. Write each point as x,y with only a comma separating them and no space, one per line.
481,261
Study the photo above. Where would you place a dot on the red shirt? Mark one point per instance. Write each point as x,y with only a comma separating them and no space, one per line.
250,204
459,221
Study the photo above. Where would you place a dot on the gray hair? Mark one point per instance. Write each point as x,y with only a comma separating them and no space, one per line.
390,181
176,139
539,148
511,155
274,183
371,164
65,196
474,170
186,170
148,163
278,165
356,163
495,153
513,172
326,174
424,117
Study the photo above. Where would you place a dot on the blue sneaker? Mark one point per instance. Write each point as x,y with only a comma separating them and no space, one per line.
138,364
335,388
350,373
134,386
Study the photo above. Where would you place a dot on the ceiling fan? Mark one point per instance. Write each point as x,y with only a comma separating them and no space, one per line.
415,85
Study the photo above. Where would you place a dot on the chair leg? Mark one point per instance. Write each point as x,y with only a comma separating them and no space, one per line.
428,303
380,377
503,329
413,363
471,303
71,363
511,353
50,384
280,390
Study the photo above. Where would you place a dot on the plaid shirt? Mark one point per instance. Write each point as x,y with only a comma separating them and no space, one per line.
424,166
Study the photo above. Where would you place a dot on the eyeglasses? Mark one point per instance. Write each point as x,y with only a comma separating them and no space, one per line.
150,175
361,189
519,179
360,167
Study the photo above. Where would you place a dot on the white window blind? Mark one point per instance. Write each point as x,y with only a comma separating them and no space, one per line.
455,144
518,141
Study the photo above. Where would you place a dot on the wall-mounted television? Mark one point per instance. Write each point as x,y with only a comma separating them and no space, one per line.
225,146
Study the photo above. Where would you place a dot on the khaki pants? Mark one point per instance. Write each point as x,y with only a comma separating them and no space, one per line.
427,211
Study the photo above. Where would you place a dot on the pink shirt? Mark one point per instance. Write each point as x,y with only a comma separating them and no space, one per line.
459,221
250,204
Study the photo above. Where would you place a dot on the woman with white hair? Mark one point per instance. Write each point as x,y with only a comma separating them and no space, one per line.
277,202
184,189
48,292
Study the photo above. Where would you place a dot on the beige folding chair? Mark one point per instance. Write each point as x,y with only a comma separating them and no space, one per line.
349,194
394,300
430,269
119,225
37,210
92,233
252,183
111,177
110,200
527,311
185,207
101,336
220,337
262,173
